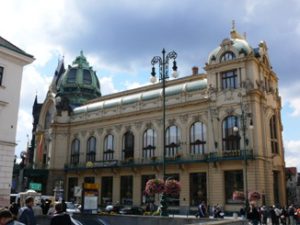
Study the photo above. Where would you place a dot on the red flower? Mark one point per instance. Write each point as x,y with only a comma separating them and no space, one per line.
172,187
253,196
154,186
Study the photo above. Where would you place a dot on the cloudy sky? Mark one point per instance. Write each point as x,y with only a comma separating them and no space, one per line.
120,37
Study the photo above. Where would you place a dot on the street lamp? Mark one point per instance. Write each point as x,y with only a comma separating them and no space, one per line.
163,63
244,121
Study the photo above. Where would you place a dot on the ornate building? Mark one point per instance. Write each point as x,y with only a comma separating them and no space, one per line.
223,132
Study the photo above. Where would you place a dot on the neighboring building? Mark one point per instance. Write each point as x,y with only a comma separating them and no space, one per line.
12,61
292,186
116,140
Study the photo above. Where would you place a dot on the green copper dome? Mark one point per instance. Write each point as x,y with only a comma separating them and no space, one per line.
79,83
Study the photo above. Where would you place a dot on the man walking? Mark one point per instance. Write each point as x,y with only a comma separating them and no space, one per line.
26,214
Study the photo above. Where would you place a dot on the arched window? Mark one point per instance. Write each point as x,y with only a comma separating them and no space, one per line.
273,135
71,78
172,141
231,139
91,149
108,148
87,78
75,150
227,56
149,141
198,138
128,145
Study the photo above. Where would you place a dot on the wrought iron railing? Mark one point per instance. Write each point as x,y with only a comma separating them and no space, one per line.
158,160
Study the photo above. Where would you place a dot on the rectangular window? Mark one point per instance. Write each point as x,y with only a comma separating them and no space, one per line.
198,191
106,190
126,190
1,74
233,183
229,79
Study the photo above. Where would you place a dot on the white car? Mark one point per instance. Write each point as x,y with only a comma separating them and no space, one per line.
72,208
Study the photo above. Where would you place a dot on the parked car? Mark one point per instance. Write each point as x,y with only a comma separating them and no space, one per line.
72,208
132,210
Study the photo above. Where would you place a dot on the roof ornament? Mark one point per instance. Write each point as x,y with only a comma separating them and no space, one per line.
234,34
233,25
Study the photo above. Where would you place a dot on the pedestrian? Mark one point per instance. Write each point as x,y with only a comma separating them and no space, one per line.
14,209
6,218
202,210
264,215
26,213
253,214
60,217
291,214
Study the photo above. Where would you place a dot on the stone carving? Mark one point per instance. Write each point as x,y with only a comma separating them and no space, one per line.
247,84
183,118
171,122
230,111
261,85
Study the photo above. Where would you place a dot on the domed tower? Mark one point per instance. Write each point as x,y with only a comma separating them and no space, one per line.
78,84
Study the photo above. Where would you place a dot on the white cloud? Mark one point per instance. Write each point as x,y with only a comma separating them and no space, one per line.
107,86
291,97
132,85
292,149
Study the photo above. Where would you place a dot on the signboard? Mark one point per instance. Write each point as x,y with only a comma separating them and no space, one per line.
35,186
90,193
77,191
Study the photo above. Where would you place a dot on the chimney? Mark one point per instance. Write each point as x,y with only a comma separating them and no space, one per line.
195,70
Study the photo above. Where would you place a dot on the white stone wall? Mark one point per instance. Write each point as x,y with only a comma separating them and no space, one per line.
9,104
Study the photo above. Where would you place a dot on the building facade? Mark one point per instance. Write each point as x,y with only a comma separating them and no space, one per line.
12,61
223,132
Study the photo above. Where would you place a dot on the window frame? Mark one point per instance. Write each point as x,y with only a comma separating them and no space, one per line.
128,145
229,79
75,151
273,135
172,141
230,138
198,136
227,56
108,153
149,141
233,181
91,149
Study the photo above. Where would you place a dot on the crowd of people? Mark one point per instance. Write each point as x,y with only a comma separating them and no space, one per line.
15,215
274,215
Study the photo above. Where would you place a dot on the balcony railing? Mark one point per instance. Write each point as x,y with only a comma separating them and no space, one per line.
230,155
157,160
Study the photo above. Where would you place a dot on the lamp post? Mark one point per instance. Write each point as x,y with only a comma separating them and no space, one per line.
244,119
163,64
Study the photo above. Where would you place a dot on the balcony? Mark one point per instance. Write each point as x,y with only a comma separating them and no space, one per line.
158,160
230,155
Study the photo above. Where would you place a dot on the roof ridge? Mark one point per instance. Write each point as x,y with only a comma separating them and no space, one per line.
7,44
